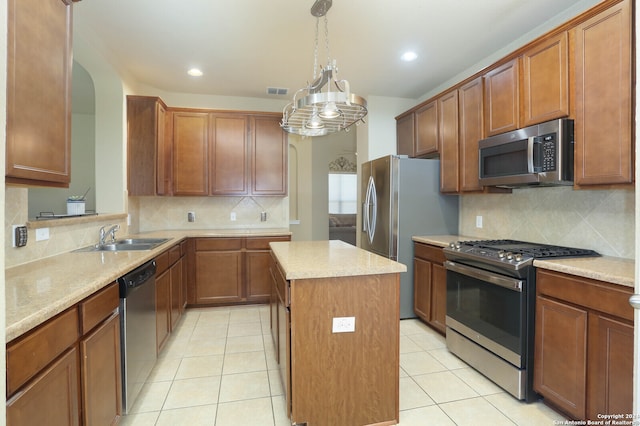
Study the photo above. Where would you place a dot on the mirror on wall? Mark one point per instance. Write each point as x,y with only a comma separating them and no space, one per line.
54,200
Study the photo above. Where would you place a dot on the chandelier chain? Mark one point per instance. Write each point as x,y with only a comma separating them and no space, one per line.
315,50
326,38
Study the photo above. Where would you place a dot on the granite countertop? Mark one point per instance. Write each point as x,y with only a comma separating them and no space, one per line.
39,290
325,259
610,269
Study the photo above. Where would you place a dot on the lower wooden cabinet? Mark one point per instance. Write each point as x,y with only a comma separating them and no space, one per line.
51,398
163,309
430,285
170,291
100,360
67,371
231,270
584,345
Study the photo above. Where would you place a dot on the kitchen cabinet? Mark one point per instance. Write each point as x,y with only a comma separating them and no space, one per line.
426,130
220,153
502,98
232,270
101,379
149,170
229,165
430,285
603,86
583,361
67,370
330,378
471,130
448,141
545,80
269,152
405,134
190,153
39,63
169,289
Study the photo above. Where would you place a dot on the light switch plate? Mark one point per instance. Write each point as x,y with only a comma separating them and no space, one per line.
42,234
344,324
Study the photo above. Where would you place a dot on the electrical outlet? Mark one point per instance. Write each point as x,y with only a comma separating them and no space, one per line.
191,216
263,216
42,234
478,221
232,216
19,236
344,324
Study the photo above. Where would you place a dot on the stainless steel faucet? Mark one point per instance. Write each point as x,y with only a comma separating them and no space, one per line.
111,231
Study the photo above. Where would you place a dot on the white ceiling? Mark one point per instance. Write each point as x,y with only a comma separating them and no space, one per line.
245,46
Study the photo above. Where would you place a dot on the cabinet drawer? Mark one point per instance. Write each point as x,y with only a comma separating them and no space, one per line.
98,307
30,354
212,244
162,262
430,253
597,295
262,243
174,254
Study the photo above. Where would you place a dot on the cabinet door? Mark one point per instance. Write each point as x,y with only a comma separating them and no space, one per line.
545,76
603,98
163,308
38,142
405,135
438,297
164,150
101,374
269,147
610,366
422,288
502,99
229,155
190,153
176,292
51,398
426,119
471,130
560,363
218,277
258,278
448,139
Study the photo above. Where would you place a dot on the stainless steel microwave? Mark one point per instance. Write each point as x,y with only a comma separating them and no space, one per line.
539,155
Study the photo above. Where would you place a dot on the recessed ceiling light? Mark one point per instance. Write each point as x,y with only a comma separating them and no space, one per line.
409,56
195,72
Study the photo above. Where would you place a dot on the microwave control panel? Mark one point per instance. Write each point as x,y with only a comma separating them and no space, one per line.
546,150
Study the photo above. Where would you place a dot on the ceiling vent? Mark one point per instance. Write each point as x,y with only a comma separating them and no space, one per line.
277,91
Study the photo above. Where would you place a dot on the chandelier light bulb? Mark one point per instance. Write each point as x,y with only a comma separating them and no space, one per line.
315,122
330,111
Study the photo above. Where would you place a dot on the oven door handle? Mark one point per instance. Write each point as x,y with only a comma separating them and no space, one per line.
506,282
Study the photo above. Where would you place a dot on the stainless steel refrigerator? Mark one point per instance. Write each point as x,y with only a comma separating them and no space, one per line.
400,199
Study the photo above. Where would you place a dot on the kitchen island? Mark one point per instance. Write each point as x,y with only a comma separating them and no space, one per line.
335,326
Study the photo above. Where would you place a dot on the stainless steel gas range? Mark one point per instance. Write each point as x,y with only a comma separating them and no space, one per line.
491,307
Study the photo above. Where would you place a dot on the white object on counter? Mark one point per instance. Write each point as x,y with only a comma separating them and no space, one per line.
75,207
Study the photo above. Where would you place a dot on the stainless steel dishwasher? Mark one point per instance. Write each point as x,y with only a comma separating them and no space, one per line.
137,330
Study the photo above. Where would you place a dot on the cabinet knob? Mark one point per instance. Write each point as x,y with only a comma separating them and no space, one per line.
634,301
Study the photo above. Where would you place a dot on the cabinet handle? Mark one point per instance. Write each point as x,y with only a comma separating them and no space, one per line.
634,301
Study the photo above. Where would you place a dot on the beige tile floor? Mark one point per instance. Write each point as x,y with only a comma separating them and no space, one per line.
218,369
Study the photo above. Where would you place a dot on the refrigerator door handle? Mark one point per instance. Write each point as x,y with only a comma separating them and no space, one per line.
365,208
374,206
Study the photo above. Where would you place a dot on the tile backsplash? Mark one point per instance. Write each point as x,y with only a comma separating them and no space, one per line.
602,220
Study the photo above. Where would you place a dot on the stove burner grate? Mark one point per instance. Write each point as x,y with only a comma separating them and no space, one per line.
535,250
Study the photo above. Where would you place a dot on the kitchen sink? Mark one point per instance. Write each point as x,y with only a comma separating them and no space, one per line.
127,244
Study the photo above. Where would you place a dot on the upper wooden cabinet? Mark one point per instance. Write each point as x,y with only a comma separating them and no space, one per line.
448,141
228,160
148,147
502,98
602,64
39,62
426,130
190,153
269,151
405,134
471,130
545,80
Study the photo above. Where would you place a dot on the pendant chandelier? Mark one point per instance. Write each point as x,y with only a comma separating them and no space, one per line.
314,112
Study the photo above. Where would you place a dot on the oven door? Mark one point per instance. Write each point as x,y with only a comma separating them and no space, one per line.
488,309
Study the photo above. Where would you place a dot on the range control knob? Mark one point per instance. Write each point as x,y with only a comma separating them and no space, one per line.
501,254
509,256
455,245
518,257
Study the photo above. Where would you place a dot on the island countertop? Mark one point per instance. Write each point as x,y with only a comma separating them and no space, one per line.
333,258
